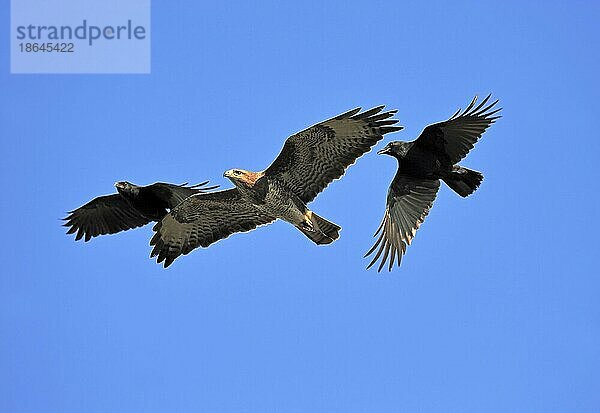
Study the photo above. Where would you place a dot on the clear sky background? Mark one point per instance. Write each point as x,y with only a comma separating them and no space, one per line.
495,309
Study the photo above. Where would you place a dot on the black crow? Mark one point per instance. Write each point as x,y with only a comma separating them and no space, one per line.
434,155
133,206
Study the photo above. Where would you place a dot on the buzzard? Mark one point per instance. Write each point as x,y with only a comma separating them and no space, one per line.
133,206
434,155
308,162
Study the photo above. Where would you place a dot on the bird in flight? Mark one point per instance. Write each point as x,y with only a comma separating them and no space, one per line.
434,155
308,162
131,207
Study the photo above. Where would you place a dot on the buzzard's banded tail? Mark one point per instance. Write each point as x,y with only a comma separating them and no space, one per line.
319,230
463,181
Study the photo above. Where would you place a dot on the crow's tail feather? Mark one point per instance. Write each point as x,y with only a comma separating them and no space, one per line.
463,181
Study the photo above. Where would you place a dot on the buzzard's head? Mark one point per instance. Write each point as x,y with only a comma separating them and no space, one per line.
127,189
240,177
397,149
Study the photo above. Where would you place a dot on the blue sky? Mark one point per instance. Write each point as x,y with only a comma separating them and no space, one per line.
494,309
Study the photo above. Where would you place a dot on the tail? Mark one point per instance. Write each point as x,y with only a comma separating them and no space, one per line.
463,181
318,229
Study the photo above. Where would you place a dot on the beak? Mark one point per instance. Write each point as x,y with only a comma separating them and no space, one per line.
227,174
384,151
118,185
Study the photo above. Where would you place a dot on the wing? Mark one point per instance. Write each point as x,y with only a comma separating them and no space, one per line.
201,220
455,137
174,194
313,158
408,203
103,215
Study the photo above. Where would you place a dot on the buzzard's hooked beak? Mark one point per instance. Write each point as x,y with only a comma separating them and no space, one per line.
227,174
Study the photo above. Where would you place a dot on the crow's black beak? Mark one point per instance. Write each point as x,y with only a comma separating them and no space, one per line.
384,151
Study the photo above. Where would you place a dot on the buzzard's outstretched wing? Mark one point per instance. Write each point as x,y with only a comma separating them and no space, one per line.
201,220
174,194
408,203
455,137
107,214
313,158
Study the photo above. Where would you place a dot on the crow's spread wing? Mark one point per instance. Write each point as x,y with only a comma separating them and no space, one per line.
408,203
455,137
174,194
201,220
103,215
313,158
